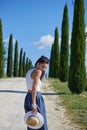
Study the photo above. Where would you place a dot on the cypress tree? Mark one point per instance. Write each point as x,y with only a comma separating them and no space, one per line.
24,65
51,65
30,64
1,52
15,72
55,57
63,69
5,57
9,60
56,54
21,63
77,71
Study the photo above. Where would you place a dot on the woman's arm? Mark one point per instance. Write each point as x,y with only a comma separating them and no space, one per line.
36,76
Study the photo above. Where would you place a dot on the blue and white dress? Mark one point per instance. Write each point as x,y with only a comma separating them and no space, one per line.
39,99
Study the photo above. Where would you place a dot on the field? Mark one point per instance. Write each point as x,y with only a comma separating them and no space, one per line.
76,105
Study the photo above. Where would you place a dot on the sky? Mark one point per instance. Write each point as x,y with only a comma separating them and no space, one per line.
33,22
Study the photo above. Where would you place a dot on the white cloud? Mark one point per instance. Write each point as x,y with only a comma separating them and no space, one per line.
44,42
47,41
7,40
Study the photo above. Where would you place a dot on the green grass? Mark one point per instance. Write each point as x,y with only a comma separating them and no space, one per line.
76,105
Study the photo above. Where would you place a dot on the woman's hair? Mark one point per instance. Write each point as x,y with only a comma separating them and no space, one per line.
42,59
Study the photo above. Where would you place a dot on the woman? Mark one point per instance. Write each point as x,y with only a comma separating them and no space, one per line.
34,100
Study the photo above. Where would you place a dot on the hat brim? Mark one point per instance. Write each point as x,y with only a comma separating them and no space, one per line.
38,115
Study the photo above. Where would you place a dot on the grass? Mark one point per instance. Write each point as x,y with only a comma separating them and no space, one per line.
76,105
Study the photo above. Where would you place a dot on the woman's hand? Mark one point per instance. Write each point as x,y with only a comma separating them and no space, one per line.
34,110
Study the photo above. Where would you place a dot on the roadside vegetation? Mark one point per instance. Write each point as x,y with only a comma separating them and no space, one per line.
75,104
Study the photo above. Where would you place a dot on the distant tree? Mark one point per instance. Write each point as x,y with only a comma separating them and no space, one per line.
5,57
10,57
77,71
30,64
21,63
1,52
24,65
64,51
54,58
51,65
15,72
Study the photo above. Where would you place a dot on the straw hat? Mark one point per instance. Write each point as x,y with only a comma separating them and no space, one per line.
34,121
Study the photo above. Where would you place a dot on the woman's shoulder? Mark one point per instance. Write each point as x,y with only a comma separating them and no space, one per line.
36,73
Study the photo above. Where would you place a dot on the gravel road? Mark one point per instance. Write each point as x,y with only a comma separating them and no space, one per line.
12,94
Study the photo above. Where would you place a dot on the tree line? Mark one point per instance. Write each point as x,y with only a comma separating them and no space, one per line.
16,67
68,63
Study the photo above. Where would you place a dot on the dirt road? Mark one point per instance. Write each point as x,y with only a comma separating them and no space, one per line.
12,94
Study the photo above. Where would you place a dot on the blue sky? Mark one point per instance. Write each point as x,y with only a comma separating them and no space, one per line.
33,22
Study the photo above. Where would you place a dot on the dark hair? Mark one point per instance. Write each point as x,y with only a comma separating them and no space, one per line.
42,59
42,75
